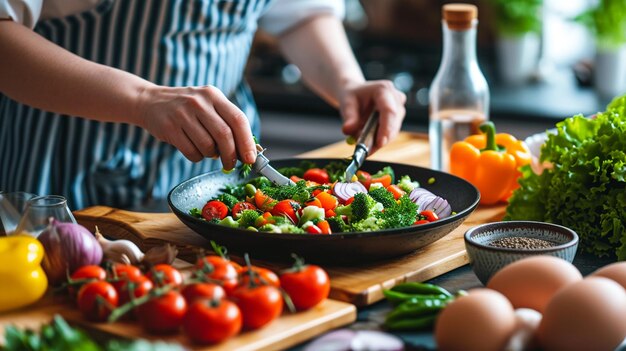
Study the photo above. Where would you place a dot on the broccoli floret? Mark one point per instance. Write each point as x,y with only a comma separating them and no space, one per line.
301,196
229,221
362,207
237,190
407,184
290,228
195,212
228,200
401,215
284,192
383,196
270,228
311,213
382,172
337,225
368,224
248,217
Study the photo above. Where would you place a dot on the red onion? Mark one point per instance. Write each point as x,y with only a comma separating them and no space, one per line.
68,247
356,340
426,200
346,190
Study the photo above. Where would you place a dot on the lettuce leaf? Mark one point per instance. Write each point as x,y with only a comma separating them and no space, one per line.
586,188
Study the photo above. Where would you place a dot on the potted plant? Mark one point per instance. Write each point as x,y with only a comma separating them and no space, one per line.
518,27
607,22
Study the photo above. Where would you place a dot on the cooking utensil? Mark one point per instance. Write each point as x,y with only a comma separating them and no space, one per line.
342,248
363,145
263,167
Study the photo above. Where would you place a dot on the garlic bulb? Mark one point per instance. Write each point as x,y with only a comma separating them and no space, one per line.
121,251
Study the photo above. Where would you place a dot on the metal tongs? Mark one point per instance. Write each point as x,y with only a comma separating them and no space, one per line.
363,146
263,167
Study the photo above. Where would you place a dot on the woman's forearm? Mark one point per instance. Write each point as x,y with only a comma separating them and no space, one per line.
320,48
39,73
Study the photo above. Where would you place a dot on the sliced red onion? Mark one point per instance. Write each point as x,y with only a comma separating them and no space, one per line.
356,340
346,190
426,200
440,206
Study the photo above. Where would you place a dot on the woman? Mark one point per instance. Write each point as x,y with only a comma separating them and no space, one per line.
158,88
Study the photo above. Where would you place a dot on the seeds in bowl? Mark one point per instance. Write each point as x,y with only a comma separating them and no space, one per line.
524,243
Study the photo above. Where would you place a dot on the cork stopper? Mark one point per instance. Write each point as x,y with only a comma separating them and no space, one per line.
459,16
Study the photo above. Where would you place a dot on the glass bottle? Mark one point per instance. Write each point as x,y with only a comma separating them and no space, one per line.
459,95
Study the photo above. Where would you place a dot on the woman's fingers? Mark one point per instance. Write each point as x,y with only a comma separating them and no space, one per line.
239,126
390,104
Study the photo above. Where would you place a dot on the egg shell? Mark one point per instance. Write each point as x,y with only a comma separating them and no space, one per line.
483,320
587,315
614,271
531,282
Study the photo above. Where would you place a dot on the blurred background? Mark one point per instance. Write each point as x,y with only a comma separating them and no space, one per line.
558,40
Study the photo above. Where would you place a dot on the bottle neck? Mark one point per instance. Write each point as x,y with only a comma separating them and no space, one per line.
459,46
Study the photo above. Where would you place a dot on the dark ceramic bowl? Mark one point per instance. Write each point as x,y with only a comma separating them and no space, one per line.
343,248
486,260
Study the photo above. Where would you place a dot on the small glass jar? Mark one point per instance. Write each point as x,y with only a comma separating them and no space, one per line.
39,210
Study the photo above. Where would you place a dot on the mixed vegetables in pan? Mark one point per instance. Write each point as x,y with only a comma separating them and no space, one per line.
321,202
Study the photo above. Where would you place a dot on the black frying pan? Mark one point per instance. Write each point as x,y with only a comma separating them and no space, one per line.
340,248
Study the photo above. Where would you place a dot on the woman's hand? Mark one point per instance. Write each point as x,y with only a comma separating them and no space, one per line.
199,121
358,100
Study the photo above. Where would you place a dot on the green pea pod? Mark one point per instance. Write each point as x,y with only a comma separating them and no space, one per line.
396,297
416,308
412,324
421,289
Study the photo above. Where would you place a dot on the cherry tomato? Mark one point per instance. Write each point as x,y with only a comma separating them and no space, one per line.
313,229
429,215
396,191
306,285
140,286
210,322
287,208
313,202
164,274
421,221
385,180
265,276
259,305
96,300
85,274
219,269
196,291
240,207
364,178
163,314
126,270
349,201
214,209
329,202
318,175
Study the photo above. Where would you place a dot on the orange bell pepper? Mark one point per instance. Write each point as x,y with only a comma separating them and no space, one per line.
490,162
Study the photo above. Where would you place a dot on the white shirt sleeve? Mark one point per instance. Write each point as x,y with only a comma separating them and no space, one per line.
284,14
26,12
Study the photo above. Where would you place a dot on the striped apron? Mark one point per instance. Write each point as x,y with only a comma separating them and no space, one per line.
168,42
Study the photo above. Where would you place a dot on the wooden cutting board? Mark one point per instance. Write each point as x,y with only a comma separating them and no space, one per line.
284,332
361,285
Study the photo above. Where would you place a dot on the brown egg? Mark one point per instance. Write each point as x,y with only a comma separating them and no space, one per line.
615,271
531,282
484,320
587,315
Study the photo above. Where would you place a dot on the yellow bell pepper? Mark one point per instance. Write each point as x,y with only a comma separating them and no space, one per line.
22,279
490,162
